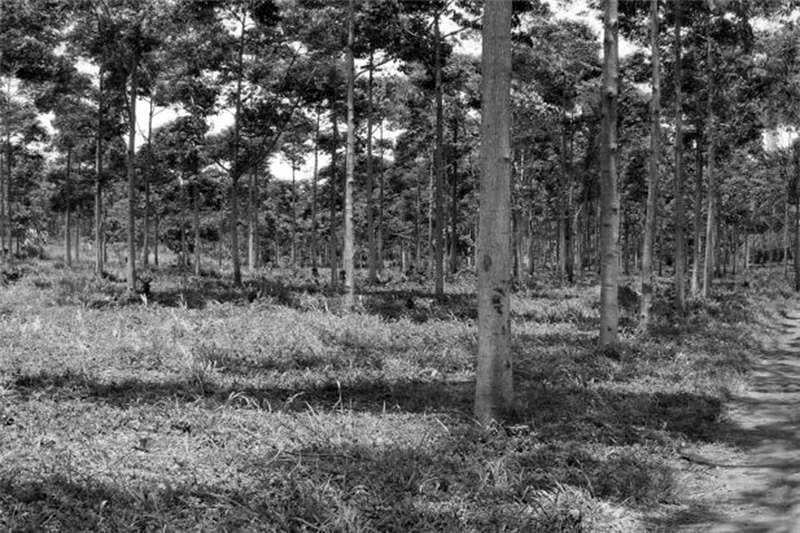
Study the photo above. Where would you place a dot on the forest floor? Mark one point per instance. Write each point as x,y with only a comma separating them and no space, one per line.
269,408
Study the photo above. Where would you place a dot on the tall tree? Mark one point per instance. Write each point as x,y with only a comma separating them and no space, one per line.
680,241
652,185
494,390
609,201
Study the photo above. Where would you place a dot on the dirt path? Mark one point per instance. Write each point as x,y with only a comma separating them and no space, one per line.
758,488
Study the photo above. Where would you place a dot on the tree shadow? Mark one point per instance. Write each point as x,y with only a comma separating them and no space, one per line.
556,411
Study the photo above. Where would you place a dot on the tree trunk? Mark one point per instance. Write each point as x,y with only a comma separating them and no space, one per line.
380,203
438,171
252,221
680,215
454,200
417,232
236,170
698,216
372,267
67,213
332,248
156,220
196,223
146,217
785,241
708,267
494,389
655,155
99,263
610,208
349,234
294,217
131,174
314,240
77,237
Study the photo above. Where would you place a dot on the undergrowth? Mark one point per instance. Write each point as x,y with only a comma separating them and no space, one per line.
269,408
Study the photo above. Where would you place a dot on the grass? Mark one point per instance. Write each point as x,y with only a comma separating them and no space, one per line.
205,410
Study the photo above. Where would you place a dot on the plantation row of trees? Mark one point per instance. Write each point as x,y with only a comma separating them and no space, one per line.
666,155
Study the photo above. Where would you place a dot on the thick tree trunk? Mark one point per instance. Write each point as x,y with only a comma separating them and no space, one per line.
785,240
655,155
131,175
314,238
438,241
349,233
494,390
680,215
610,208
99,263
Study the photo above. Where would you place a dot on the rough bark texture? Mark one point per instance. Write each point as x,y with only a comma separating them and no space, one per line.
494,391
652,185
348,252
609,202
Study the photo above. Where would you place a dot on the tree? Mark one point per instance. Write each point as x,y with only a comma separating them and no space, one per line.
652,186
494,391
609,202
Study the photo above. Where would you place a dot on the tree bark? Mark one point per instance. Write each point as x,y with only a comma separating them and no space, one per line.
99,263
698,216
131,175
146,214
655,154
254,201
314,239
711,201
372,267
349,270
454,200
156,220
294,217
380,203
610,208
680,215
438,240
235,164
196,223
333,247
67,212
494,390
